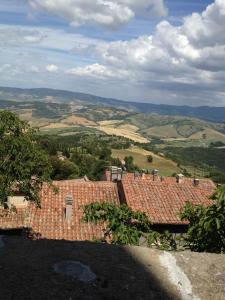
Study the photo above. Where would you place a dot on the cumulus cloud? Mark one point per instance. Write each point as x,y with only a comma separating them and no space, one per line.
106,13
52,68
186,59
176,64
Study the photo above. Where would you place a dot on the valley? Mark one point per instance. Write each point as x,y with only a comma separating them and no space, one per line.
165,137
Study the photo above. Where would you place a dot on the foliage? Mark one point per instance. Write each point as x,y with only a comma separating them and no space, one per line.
23,165
129,163
208,159
63,169
87,154
126,227
150,158
217,144
206,231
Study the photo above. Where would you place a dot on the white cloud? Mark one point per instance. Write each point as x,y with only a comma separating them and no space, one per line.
15,36
52,68
177,64
98,71
106,13
95,70
183,60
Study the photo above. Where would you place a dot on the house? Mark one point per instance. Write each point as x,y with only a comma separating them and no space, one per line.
163,199
60,215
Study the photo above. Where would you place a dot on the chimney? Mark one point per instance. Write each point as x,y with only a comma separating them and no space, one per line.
154,173
196,182
179,178
114,173
69,207
136,174
119,174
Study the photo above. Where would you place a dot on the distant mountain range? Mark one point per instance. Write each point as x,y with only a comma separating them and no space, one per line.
214,114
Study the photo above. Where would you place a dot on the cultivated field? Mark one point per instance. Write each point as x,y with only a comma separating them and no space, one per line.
136,137
165,166
77,120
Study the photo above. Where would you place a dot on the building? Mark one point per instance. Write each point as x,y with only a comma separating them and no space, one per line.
163,199
60,216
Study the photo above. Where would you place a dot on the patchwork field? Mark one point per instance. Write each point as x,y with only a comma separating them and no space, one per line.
210,135
165,131
132,135
77,120
172,130
165,166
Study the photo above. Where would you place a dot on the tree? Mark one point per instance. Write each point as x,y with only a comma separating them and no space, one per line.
105,153
150,158
24,165
98,169
206,231
63,169
126,227
129,163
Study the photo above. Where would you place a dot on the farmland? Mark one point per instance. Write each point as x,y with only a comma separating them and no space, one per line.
165,166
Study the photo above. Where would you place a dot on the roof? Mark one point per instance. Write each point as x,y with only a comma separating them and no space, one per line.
12,220
49,220
163,200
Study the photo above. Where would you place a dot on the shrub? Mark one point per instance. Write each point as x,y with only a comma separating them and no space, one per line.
206,231
126,227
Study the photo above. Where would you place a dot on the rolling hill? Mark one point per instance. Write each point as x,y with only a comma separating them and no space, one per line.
66,118
215,114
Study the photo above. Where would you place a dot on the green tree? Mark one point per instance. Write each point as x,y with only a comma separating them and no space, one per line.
126,227
63,169
24,166
105,153
98,169
150,158
206,231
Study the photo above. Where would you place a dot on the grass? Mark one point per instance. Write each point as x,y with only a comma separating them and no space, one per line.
132,135
165,166
77,120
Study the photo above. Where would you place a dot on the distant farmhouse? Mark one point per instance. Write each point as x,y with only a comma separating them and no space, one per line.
60,215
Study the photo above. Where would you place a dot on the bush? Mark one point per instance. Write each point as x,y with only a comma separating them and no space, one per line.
150,158
126,227
206,231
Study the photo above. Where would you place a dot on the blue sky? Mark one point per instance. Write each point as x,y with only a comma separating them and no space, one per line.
157,51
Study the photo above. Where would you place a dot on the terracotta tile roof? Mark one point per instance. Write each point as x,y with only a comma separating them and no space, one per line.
50,222
163,201
12,220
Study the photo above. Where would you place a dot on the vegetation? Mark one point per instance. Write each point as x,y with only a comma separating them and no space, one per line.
150,158
81,154
209,160
165,166
126,227
24,165
206,230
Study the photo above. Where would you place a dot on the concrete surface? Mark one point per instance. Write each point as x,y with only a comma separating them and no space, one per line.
75,270
26,272
2,244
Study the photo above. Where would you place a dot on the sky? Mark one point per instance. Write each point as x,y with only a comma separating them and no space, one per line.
155,51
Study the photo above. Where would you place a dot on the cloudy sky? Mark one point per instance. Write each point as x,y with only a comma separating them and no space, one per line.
158,51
